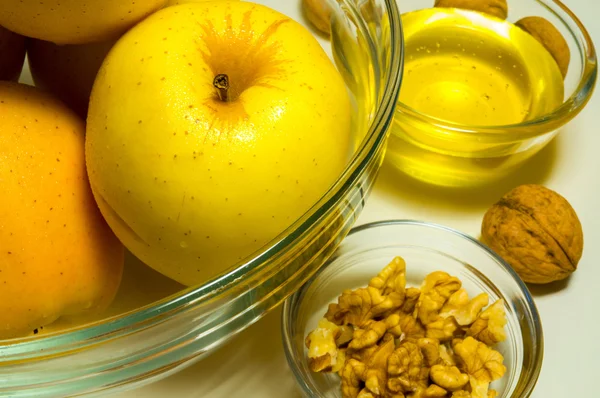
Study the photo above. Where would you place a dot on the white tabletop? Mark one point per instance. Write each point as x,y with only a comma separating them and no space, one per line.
253,364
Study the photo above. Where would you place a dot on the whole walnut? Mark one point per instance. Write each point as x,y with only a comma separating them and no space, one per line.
550,37
536,231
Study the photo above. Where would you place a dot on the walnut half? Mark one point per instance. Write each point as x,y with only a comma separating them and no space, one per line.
322,348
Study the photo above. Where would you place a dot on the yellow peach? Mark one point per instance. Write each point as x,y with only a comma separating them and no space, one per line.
74,21
58,257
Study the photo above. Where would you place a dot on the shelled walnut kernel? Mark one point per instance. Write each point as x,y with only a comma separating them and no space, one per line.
387,340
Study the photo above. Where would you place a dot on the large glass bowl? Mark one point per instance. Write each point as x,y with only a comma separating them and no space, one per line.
143,345
458,155
426,248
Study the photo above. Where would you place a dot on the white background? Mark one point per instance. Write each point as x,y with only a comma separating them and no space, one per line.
253,364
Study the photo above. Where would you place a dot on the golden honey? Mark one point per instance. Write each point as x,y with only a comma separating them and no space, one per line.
468,69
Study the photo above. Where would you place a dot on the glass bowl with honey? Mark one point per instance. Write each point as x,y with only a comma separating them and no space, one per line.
487,84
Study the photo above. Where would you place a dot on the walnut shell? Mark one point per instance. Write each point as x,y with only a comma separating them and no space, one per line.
536,231
496,8
547,34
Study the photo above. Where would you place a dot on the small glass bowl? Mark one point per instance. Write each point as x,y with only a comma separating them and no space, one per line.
457,155
426,248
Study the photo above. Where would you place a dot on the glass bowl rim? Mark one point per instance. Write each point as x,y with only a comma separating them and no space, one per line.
292,302
538,126
80,337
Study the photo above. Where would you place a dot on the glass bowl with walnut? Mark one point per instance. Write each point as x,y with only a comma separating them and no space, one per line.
413,310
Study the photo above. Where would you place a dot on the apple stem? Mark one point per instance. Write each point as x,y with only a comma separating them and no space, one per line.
221,83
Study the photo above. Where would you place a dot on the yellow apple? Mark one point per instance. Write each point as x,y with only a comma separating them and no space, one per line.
212,127
74,21
12,54
67,71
